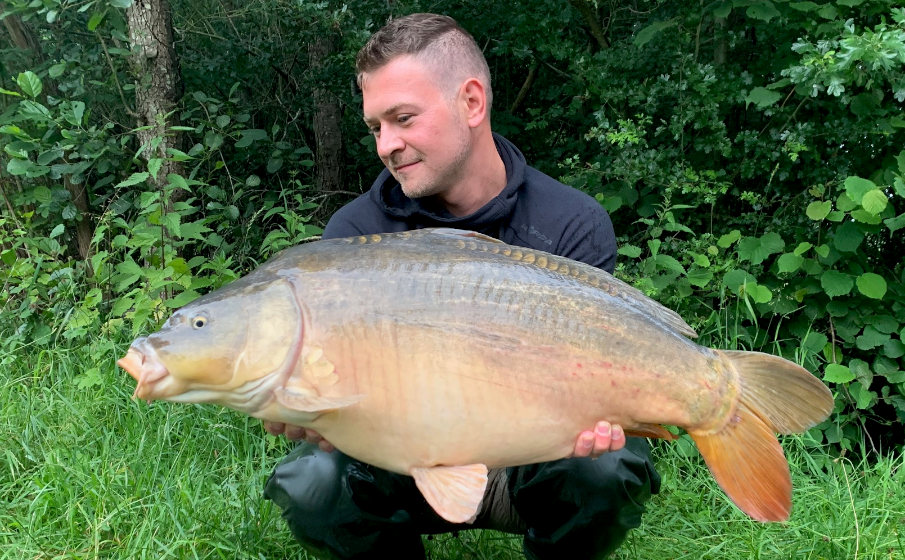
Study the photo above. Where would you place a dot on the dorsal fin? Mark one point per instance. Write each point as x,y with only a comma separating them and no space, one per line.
581,272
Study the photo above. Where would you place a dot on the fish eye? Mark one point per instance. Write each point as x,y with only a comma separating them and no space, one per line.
198,321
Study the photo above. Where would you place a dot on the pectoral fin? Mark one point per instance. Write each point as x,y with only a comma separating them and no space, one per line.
310,402
455,493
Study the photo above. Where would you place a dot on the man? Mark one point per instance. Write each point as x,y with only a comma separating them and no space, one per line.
426,99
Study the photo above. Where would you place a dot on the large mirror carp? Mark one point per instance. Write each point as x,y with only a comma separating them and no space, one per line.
442,353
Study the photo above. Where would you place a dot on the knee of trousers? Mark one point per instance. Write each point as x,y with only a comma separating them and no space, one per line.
573,492
308,485
332,501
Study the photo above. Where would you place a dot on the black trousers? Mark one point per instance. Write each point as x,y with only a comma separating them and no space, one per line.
571,508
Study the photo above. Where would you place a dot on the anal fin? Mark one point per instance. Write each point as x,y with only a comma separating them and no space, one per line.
650,431
454,492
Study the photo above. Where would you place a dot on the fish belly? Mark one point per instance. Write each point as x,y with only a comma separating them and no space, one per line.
504,372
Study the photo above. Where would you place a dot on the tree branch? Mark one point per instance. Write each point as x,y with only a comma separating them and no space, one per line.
586,9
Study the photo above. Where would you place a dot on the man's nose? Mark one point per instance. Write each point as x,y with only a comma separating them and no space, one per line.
388,142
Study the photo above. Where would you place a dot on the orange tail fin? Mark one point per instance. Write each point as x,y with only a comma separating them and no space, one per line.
744,456
749,465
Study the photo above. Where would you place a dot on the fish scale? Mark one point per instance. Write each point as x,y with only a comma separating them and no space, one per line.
443,353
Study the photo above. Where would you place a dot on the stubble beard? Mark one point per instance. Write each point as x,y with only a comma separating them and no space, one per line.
440,181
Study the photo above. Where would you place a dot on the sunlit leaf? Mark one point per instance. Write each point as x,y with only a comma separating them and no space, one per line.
836,373
872,285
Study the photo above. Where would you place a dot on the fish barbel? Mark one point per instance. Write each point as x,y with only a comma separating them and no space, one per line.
442,353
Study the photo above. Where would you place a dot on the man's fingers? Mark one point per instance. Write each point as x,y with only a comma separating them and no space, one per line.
274,428
605,437
617,439
584,445
295,433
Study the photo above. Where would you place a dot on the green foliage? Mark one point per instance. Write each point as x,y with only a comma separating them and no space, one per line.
777,231
749,152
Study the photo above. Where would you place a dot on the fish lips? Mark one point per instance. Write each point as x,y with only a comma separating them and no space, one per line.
142,364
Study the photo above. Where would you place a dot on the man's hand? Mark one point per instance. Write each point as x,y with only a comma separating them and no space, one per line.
296,433
605,437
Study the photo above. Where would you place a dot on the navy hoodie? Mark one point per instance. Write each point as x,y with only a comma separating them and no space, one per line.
533,210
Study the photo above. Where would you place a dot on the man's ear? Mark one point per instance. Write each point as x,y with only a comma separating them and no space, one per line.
474,102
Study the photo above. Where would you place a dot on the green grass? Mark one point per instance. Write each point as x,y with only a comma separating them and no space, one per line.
85,472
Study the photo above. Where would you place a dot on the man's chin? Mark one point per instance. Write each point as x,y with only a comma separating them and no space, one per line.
412,190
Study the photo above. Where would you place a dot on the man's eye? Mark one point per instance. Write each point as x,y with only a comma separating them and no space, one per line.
404,118
375,130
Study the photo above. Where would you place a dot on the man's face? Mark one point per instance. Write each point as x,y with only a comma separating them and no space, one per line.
422,137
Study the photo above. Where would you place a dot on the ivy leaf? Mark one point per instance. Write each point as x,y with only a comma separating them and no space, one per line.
872,285
762,97
836,373
835,283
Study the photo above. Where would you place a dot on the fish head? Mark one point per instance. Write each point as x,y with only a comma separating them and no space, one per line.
221,348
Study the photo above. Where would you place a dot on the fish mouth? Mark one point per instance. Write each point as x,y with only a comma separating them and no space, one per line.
143,365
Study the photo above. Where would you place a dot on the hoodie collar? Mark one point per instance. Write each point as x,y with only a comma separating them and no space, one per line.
427,212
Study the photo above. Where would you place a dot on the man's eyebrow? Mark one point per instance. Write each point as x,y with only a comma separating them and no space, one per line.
392,110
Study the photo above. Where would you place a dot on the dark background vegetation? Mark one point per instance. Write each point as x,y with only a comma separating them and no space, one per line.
750,153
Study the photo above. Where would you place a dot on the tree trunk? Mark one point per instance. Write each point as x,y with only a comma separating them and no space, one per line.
721,46
588,11
22,37
158,84
19,34
327,118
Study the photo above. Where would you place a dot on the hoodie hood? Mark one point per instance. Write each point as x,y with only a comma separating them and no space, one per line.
429,212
